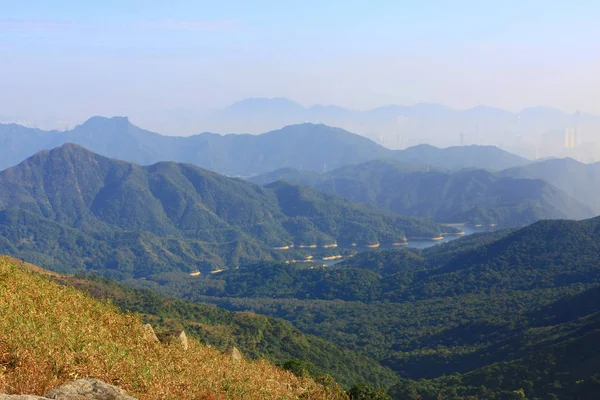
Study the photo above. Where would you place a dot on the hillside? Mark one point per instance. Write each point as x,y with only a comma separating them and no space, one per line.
255,335
71,208
494,312
559,254
313,147
456,157
95,339
471,196
578,180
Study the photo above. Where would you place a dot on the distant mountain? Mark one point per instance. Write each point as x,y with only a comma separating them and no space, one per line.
578,180
71,207
532,132
472,196
306,146
457,157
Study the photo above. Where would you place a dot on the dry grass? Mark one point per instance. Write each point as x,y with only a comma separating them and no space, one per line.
51,334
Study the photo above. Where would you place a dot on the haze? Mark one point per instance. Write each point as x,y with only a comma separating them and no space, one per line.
171,68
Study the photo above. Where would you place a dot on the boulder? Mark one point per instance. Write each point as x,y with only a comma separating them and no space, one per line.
87,389
235,354
149,334
168,337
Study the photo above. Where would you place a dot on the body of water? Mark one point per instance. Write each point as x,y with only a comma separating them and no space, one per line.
420,244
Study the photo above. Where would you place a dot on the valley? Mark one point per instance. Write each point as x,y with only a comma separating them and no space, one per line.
402,275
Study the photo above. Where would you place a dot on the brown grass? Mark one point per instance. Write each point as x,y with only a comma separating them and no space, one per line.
51,334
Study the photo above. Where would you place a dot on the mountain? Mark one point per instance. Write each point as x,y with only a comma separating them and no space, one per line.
580,181
533,132
306,146
256,115
69,207
453,158
471,196
301,146
52,334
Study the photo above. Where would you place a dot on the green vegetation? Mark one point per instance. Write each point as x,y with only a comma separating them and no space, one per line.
72,210
471,196
498,315
255,335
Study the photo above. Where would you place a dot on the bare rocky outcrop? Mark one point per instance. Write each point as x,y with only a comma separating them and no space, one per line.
168,337
82,389
88,389
149,334
235,354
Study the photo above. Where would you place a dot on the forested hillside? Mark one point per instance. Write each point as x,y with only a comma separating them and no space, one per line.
70,209
493,312
470,196
257,336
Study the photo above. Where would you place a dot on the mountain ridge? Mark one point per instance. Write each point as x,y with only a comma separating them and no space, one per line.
170,216
316,147
470,195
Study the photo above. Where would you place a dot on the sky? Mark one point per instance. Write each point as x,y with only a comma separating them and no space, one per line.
73,59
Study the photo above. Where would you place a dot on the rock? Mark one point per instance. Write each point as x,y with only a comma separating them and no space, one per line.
149,334
235,354
174,337
20,397
87,389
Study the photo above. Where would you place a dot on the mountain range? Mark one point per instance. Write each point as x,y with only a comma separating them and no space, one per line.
71,208
472,196
529,132
306,146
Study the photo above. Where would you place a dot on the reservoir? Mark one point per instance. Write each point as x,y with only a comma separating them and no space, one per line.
420,244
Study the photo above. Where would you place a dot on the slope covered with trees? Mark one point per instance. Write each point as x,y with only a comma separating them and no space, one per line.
255,335
509,313
473,196
71,208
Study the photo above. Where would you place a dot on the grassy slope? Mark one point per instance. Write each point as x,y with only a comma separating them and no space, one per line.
257,336
50,334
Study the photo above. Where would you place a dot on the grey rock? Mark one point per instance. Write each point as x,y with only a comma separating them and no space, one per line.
235,354
149,334
168,337
88,389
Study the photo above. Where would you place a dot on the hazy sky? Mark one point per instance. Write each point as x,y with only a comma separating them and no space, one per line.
78,58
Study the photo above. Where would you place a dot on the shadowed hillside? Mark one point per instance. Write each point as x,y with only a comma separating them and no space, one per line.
471,196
